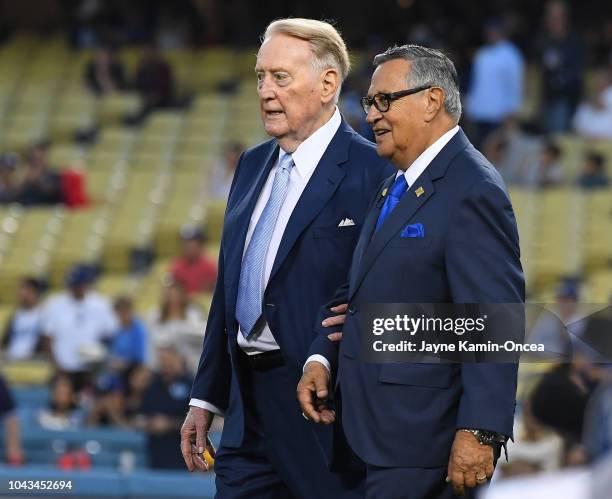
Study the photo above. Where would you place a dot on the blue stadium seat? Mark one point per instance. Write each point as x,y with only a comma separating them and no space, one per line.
166,484
101,460
109,439
30,396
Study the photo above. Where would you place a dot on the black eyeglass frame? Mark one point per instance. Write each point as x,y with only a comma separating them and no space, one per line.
367,102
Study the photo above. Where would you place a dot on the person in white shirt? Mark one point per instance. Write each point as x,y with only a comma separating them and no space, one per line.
593,118
177,322
21,339
76,323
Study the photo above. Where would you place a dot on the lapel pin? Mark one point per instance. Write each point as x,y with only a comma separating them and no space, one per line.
419,192
384,192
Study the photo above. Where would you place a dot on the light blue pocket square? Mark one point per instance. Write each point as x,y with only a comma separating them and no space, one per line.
413,230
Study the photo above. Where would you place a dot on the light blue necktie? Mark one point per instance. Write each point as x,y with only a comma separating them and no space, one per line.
250,286
396,192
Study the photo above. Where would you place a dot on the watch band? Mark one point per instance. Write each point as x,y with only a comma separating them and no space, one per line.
486,437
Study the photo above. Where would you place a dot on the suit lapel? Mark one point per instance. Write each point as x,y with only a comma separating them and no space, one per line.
366,232
411,202
407,207
320,188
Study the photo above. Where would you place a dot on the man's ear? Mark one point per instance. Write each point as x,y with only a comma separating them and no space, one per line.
434,103
330,81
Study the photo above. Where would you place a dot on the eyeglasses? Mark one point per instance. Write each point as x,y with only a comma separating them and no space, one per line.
382,101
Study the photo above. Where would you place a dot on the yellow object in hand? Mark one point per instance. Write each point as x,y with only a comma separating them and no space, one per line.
208,458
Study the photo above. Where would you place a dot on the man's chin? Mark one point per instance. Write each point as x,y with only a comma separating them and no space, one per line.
275,130
384,151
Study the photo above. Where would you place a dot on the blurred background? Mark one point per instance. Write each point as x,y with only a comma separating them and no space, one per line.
120,126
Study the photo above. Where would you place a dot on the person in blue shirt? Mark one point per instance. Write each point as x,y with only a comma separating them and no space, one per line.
129,345
127,351
496,88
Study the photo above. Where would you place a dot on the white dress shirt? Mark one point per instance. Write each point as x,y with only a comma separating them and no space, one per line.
412,173
306,158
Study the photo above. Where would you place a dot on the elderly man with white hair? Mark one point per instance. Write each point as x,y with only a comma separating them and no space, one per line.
294,212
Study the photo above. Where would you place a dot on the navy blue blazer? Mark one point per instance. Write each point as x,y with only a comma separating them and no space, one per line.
312,261
406,414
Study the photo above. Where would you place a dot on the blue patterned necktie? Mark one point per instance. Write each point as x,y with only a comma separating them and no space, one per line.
397,190
250,286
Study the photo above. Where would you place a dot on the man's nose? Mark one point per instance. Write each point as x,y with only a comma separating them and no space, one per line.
373,115
265,89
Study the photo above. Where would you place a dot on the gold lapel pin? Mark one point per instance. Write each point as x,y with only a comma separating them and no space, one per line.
384,192
419,192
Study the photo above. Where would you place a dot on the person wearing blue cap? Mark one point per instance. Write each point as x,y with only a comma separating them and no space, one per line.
75,325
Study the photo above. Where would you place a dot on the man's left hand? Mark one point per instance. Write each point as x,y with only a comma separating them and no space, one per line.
337,320
470,463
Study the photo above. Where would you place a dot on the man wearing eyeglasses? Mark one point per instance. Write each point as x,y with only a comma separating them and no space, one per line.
294,212
441,230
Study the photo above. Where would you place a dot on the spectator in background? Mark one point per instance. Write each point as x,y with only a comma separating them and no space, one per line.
534,448
598,423
108,405
548,171
178,322
593,118
138,380
40,185
12,433
21,339
164,406
104,74
154,82
496,89
8,181
127,351
194,270
76,323
550,328
593,174
562,60
129,345
223,171
559,402
513,152
63,412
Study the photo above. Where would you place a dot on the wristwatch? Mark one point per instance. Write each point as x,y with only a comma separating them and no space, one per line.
486,437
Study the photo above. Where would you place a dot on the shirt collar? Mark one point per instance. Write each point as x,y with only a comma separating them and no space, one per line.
413,172
308,154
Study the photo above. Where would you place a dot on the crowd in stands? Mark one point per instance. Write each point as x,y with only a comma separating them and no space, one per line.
37,183
112,367
132,369
565,419
574,95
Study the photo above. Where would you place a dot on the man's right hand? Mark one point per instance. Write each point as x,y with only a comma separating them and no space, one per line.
194,438
313,392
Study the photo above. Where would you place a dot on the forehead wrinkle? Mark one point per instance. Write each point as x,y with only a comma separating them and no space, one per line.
295,50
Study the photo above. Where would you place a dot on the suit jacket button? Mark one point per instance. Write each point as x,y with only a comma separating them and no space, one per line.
352,310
